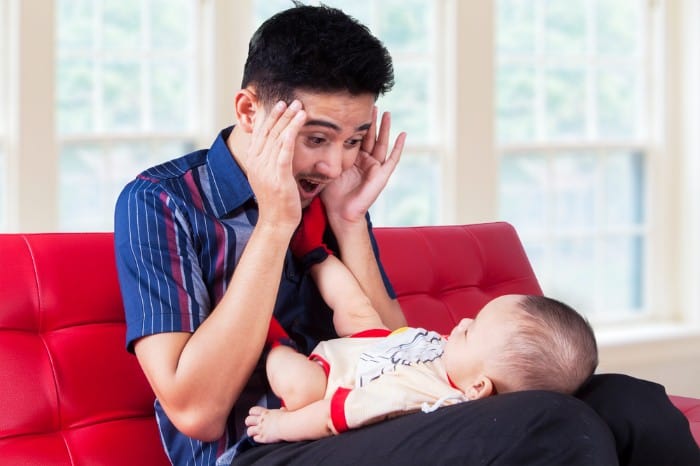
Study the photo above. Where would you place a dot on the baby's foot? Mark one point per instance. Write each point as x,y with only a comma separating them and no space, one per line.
263,424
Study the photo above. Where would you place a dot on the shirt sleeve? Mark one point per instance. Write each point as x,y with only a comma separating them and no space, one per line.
159,275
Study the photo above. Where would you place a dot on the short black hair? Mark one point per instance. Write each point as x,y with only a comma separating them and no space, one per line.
316,49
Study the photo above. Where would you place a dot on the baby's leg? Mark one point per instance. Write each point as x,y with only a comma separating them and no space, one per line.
293,378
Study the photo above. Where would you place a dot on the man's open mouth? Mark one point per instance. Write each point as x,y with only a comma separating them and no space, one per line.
308,185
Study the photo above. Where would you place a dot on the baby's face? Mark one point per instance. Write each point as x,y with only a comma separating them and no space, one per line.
474,342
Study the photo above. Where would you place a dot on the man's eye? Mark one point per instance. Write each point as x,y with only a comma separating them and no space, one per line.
316,141
353,142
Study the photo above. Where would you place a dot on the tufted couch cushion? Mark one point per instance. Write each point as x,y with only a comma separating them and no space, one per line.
69,392
71,395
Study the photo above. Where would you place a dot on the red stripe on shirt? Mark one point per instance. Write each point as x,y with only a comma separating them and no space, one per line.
176,265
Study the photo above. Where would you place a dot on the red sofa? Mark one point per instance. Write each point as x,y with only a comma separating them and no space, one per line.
71,395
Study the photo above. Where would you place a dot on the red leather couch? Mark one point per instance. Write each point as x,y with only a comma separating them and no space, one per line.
71,395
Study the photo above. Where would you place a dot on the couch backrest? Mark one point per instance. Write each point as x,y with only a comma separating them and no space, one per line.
69,392
71,395
442,274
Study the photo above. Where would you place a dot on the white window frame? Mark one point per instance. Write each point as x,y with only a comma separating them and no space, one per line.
599,148
32,164
470,162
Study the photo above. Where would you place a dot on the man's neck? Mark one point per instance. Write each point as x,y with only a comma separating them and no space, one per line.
238,142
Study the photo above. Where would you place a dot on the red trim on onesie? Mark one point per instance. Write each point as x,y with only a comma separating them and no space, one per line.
340,423
321,362
452,384
372,333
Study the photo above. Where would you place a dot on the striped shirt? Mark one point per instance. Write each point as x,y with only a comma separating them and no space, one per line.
180,229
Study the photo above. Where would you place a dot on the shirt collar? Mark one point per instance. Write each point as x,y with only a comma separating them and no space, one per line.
229,185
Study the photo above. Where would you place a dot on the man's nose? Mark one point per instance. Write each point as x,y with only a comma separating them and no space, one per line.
331,164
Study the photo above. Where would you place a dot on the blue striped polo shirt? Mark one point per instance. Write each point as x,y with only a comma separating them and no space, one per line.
180,229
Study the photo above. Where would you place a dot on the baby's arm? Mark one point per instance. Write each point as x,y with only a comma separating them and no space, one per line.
279,425
352,308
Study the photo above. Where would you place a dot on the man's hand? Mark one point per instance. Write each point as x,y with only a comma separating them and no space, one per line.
269,164
349,197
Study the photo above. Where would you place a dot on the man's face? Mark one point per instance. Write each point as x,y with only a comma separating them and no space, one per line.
330,140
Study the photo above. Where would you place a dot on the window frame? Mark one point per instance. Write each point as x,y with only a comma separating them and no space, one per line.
599,147
469,189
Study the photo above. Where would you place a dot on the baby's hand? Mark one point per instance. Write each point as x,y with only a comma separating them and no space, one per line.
262,424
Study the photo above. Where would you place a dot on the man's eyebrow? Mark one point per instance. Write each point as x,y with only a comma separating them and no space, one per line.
333,126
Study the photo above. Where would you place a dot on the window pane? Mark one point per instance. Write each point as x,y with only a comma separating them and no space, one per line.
119,84
74,24
618,103
121,24
264,9
93,174
410,197
516,31
523,192
75,92
581,213
515,90
622,280
615,36
565,94
565,27
411,92
167,19
624,189
583,78
122,92
406,25
577,200
574,183
169,107
125,73
573,273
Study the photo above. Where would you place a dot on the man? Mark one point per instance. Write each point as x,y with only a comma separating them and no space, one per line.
203,255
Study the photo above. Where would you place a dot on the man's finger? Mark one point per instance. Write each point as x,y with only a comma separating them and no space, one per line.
371,135
382,144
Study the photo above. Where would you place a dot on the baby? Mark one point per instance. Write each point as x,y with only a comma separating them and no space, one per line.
515,343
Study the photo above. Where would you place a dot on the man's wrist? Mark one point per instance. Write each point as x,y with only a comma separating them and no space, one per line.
275,232
347,228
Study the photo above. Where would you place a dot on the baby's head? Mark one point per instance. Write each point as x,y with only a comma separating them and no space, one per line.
519,342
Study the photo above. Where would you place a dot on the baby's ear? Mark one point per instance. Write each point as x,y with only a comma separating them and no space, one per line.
480,388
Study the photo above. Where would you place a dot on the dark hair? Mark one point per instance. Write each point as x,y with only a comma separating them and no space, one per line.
554,348
318,49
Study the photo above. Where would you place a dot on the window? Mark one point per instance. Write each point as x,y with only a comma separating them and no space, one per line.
126,94
408,30
574,131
